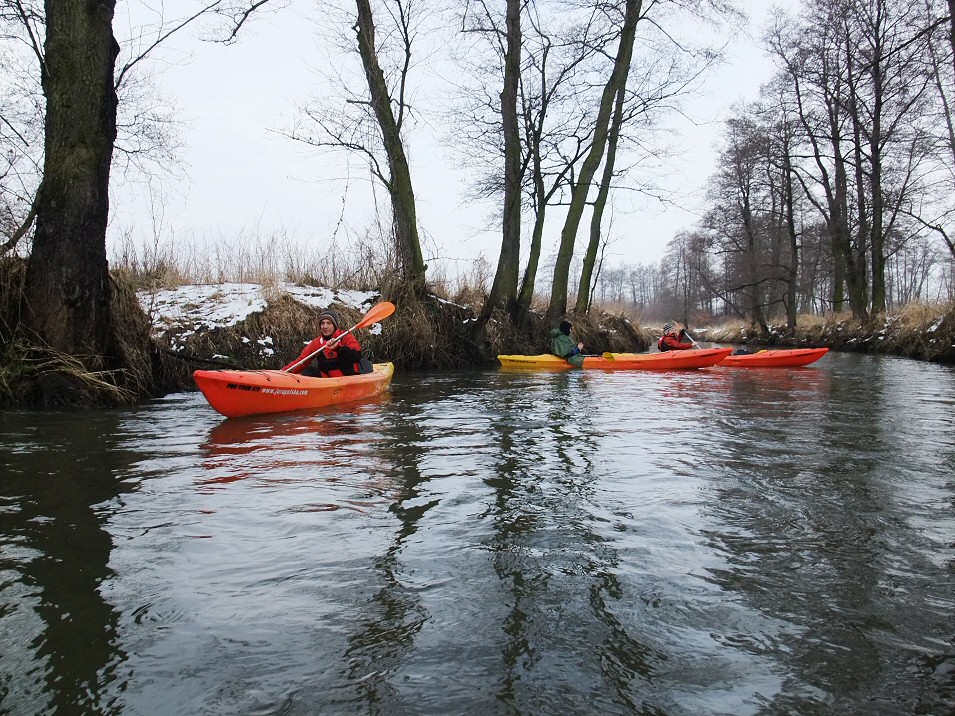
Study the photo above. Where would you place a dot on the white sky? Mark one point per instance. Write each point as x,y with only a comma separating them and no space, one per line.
243,178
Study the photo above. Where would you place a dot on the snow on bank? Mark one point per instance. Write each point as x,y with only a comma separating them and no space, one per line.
194,308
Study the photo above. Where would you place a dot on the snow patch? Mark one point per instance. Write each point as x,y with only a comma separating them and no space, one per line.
205,307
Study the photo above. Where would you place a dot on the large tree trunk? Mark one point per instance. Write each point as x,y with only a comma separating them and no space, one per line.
67,285
526,294
504,290
568,234
789,201
587,277
399,186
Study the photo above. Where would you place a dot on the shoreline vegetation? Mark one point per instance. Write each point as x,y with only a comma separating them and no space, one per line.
167,333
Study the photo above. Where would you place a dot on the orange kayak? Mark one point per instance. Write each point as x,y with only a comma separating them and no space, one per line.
235,393
776,359
669,360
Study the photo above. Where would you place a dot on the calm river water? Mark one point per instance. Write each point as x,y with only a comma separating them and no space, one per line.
723,541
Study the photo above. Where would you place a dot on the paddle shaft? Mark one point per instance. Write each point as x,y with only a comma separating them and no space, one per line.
692,339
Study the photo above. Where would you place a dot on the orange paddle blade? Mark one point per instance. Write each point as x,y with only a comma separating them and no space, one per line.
378,312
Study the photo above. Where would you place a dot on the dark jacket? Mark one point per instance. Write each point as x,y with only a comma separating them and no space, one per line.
565,347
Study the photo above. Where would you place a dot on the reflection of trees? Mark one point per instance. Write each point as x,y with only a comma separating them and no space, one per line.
811,537
55,558
560,573
390,623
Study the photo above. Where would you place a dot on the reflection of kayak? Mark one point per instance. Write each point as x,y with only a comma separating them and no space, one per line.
248,392
776,359
670,360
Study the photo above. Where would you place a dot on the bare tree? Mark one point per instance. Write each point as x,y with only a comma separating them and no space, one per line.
67,290
615,83
399,182
504,289
551,117
370,121
814,67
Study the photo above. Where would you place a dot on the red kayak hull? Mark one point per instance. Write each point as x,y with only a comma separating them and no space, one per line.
236,393
793,358
669,360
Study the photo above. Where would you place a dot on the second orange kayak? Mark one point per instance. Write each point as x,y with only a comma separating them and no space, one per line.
792,358
670,360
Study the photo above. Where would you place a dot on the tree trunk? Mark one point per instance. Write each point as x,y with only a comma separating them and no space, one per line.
399,186
67,285
792,275
526,294
504,289
603,191
855,278
568,235
951,29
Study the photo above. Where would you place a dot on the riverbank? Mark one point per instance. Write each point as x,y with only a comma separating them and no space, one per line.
920,331
256,326
265,326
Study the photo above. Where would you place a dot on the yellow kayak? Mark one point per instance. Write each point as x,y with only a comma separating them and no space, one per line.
669,360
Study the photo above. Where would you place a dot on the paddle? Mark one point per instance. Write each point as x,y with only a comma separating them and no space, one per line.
692,339
378,312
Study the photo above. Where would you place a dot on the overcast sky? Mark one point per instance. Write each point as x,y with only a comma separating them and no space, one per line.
243,177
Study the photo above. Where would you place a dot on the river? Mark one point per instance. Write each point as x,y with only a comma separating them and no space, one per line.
722,541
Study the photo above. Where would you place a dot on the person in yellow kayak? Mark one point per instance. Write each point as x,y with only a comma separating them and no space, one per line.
563,346
342,356
673,340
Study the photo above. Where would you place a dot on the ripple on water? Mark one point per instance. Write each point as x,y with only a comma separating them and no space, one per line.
711,541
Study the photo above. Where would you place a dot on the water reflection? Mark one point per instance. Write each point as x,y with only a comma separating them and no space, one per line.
714,541
560,571
60,481
811,531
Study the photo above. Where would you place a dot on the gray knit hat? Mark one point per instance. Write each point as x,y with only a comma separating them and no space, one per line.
331,316
667,327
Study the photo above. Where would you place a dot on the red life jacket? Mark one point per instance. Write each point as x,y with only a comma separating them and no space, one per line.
671,342
331,362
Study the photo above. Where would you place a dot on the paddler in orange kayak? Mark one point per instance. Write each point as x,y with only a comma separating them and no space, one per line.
341,356
672,340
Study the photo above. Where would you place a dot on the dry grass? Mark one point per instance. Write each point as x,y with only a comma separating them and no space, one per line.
30,375
357,262
35,374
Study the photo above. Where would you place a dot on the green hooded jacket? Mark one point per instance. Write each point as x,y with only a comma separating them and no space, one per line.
565,347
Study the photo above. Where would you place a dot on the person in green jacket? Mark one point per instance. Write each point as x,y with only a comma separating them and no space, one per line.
562,345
